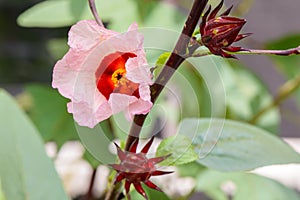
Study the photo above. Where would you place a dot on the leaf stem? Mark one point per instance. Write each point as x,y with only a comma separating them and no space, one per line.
285,91
95,12
286,52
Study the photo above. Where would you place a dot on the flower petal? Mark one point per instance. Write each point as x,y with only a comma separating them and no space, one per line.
138,70
120,102
86,34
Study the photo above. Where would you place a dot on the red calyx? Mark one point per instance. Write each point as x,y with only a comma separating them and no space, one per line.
218,33
136,168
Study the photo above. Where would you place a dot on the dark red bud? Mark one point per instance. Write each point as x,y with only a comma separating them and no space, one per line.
218,33
222,31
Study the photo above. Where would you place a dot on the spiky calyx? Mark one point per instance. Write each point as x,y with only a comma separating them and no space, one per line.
136,168
218,33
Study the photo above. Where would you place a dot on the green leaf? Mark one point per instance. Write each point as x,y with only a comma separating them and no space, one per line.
172,18
180,148
97,140
160,62
2,197
57,47
287,65
196,96
162,59
243,186
91,159
49,113
145,7
190,169
233,86
227,145
58,13
152,194
26,172
53,13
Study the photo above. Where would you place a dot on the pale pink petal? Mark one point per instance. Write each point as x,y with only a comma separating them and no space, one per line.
119,102
144,91
138,107
82,114
74,58
86,34
103,112
133,27
138,71
64,78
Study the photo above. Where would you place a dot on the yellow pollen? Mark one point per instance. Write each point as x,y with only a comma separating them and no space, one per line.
215,31
225,43
118,77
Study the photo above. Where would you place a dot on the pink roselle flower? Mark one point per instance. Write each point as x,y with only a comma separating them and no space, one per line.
103,73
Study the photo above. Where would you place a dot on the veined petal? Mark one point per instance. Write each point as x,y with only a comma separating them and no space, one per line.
86,34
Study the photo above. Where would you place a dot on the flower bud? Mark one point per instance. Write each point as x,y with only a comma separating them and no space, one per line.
218,33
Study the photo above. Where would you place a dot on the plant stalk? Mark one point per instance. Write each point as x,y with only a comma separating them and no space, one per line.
286,52
95,12
285,91
176,58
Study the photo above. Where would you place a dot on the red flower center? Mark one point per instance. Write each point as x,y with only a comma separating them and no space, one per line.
111,76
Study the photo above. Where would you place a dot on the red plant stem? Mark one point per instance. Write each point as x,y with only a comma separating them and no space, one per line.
285,52
95,13
174,61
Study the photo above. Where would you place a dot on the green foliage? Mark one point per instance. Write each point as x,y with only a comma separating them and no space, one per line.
97,141
181,150
145,8
243,186
26,172
152,194
57,48
49,113
91,159
172,18
239,89
190,169
160,62
2,197
227,145
287,65
67,12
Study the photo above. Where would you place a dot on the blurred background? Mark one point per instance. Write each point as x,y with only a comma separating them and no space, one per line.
27,55
29,48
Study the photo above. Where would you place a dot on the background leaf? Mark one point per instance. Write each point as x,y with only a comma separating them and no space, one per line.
1,192
152,194
49,113
244,93
242,186
59,13
180,149
26,172
227,145
288,66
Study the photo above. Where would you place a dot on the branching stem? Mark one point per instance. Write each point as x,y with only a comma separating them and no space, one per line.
285,91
